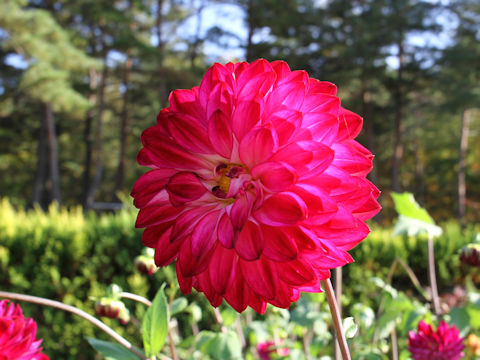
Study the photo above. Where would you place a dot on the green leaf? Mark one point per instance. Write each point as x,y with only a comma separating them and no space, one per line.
413,220
225,346
110,350
155,324
406,205
350,327
178,305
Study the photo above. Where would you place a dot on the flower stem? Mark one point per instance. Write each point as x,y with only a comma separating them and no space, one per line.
337,321
338,278
135,297
74,310
433,278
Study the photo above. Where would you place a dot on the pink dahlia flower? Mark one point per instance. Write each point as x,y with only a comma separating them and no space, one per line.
258,187
443,344
18,335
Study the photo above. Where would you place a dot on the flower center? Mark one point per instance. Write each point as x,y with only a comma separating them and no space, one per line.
226,173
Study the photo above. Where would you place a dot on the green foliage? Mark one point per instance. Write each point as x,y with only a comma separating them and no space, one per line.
155,324
111,351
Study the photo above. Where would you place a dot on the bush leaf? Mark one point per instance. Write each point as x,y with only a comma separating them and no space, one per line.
155,324
110,350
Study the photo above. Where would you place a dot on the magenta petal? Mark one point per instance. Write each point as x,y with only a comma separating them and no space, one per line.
222,269
296,273
282,209
149,185
225,231
184,187
279,244
240,212
321,87
191,265
184,101
350,125
188,133
186,222
165,251
275,176
184,282
220,134
245,117
204,234
250,242
260,276
164,152
257,146
156,214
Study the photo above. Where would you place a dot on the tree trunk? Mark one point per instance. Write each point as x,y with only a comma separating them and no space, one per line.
251,25
95,184
462,187
55,194
88,139
123,129
41,171
398,123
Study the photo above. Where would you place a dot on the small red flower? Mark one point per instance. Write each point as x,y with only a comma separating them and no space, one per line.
265,349
18,335
443,344
258,187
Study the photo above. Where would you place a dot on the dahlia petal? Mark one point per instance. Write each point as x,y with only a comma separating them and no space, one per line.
289,94
164,152
151,234
260,276
321,103
245,117
344,239
279,244
321,207
281,209
165,251
215,76
205,286
323,127
274,175
350,125
257,78
281,68
155,214
296,273
225,231
285,122
240,212
237,293
149,185
222,269
309,158
257,146
184,187
184,101
250,242
188,133
351,157
191,265
186,222
321,87
220,134
184,282
368,209
204,234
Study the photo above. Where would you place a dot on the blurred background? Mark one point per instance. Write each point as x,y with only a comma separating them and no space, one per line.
80,80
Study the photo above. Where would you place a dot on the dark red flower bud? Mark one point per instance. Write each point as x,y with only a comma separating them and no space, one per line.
144,264
470,254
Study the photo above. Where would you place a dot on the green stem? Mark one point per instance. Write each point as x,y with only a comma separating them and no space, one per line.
433,278
337,321
135,297
74,310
